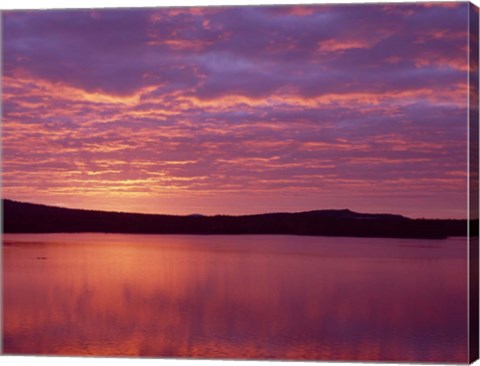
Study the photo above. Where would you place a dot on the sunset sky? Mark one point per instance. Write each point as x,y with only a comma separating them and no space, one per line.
238,110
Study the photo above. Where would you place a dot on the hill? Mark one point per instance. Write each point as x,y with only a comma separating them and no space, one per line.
20,217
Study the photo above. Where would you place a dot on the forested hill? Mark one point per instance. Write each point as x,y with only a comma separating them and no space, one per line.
19,217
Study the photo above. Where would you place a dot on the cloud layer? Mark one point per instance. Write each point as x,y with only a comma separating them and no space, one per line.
238,109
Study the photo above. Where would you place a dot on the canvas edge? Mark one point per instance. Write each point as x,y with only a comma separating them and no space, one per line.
1,181
473,182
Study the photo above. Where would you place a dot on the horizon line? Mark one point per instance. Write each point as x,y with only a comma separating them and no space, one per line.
225,214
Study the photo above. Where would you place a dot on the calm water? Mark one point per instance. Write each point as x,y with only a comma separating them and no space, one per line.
274,297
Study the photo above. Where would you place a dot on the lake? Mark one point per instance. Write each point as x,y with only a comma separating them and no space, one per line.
235,297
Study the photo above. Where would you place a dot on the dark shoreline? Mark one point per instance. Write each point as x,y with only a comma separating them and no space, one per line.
19,217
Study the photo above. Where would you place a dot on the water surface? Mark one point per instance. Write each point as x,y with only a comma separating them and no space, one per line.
249,296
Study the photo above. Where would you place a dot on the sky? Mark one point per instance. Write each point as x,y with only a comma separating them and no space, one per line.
238,110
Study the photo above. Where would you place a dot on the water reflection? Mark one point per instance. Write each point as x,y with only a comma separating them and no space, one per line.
274,297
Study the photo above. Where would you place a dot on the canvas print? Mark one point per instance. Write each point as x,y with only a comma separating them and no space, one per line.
247,182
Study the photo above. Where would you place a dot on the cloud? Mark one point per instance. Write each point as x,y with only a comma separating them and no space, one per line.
113,106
